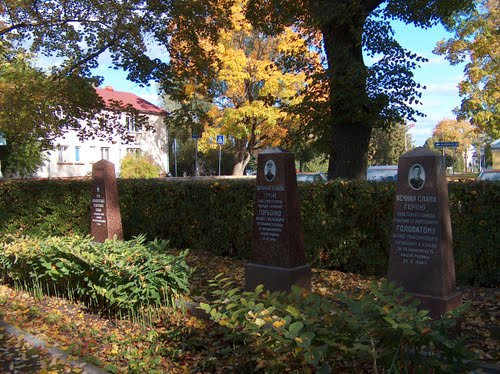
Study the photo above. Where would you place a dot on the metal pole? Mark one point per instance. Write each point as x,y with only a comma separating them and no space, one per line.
175,156
196,159
454,158
220,156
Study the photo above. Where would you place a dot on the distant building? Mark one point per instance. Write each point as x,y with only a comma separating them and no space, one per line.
495,154
74,158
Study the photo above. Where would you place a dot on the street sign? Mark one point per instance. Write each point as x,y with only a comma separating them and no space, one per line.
194,136
3,139
446,144
221,139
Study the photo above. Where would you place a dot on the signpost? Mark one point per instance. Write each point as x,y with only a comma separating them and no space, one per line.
444,145
220,141
195,137
175,150
3,143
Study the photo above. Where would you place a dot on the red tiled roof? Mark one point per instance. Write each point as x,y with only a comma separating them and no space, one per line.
109,94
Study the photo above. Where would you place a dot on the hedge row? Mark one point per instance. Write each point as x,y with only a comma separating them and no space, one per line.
346,224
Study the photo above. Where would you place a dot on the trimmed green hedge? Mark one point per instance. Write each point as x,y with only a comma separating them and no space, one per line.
346,224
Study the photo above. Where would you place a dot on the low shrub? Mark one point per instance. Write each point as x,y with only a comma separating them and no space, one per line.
139,166
379,330
114,276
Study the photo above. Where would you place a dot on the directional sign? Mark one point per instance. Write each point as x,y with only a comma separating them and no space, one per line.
221,139
446,144
3,139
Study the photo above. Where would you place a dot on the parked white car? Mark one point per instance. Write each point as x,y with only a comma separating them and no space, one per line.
489,175
382,173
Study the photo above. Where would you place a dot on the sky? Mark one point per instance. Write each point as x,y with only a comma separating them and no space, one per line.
440,78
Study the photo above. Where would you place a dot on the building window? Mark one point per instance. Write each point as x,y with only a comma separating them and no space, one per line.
62,153
94,154
105,153
131,124
134,151
77,154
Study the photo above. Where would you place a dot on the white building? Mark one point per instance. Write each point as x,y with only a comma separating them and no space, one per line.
74,158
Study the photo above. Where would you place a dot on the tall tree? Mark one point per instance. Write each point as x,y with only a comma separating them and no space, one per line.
256,77
36,108
477,41
360,98
463,132
387,145
450,130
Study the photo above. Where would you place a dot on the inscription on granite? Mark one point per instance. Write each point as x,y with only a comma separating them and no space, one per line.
421,258
269,218
278,257
416,228
105,221
98,201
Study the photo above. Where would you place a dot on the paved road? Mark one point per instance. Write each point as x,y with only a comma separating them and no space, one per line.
24,353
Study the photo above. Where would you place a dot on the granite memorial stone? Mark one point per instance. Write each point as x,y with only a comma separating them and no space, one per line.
106,220
421,258
278,258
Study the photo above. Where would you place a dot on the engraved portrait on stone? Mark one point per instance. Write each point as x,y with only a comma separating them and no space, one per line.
416,177
270,170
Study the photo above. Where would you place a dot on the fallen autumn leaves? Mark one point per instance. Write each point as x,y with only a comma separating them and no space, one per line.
179,343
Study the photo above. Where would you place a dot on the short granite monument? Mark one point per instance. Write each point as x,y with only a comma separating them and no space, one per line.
278,259
421,258
106,221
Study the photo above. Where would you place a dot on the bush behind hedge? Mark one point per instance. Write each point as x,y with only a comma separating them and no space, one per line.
346,224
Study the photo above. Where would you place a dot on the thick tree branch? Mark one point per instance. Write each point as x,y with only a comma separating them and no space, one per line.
370,5
25,25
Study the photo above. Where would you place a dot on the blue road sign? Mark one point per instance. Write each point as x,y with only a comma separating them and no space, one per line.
221,139
446,144
195,136
3,140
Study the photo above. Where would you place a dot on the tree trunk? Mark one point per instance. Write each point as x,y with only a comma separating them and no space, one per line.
349,149
352,114
242,158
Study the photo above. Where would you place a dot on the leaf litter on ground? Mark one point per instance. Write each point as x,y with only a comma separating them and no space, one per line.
178,342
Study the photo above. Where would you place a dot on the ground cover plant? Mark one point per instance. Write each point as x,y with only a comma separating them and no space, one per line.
175,342
114,276
378,330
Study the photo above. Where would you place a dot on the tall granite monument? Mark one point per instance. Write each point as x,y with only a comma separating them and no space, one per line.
106,221
421,258
278,259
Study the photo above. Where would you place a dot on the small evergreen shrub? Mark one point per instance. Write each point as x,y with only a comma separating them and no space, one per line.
112,276
380,330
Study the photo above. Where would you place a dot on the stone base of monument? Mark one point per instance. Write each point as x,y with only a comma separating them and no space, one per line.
277,278
438,306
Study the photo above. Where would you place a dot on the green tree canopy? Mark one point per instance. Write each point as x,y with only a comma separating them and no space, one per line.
387,145
359,97
477,41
